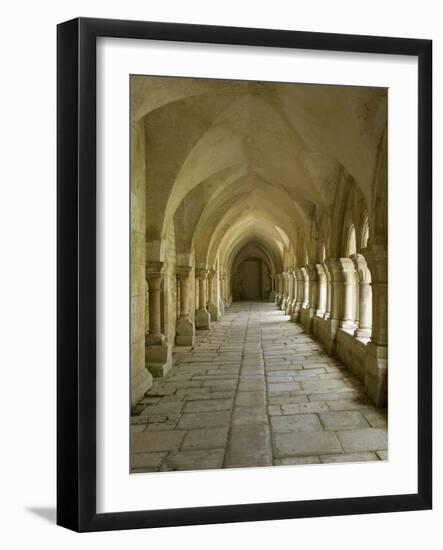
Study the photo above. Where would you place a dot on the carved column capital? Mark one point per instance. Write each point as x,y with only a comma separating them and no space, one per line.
334,268
312,272
361,267
348,269
201,273
183,271
154,274
377,259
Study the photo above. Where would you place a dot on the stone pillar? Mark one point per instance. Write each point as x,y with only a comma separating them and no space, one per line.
336,277
279,289
221,297
376,366
311,270
305,275
322,291
272,294
158,353
294,293
347,320
364,329
202,316
284,296
300,282
288,305
185,330
327,313
212,305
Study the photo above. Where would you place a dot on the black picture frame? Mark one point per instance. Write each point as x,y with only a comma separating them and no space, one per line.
76,280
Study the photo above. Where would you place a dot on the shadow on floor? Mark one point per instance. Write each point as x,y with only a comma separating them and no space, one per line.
46,513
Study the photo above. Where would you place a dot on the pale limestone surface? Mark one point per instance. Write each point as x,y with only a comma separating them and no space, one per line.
245,395
259,190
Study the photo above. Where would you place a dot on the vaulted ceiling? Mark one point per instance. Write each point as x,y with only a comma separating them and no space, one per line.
236,162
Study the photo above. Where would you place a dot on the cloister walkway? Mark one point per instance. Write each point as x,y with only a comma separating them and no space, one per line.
254,391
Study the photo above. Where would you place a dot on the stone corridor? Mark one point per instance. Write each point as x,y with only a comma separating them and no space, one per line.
254,391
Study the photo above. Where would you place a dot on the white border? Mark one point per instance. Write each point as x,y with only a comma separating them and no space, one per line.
116,489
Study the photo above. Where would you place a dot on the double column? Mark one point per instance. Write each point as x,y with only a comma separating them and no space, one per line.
221,299
292,293
349,281
300,290
285,282
185,330
333,268
202,315
158,352
212,305
363,331
376,367
288,306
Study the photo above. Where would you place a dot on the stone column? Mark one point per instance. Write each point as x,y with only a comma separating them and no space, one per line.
347,320
376,366
272,294
293,294
288,307
284,291
221,298
212,306
185,330
305,275
364,329
300,282
311,270
322,291
158,353
327,313
336,277
202,316
279,289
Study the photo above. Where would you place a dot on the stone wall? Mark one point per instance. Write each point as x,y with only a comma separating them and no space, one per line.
141,379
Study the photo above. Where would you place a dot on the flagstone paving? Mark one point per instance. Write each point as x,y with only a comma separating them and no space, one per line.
255,391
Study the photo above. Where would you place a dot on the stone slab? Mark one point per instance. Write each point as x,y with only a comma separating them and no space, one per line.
305,443
205,438
156,441
370,439
343,420
296,423
193,460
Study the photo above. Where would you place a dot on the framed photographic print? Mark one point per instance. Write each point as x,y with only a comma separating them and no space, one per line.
244,274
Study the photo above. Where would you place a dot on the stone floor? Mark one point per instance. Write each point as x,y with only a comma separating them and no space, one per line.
254,391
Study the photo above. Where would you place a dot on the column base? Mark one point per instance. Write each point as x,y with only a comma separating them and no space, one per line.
288,307
158,358
295,316
221,308
362,333
202,319
213,311
376,374
348,325
330,335
185,332
140,384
